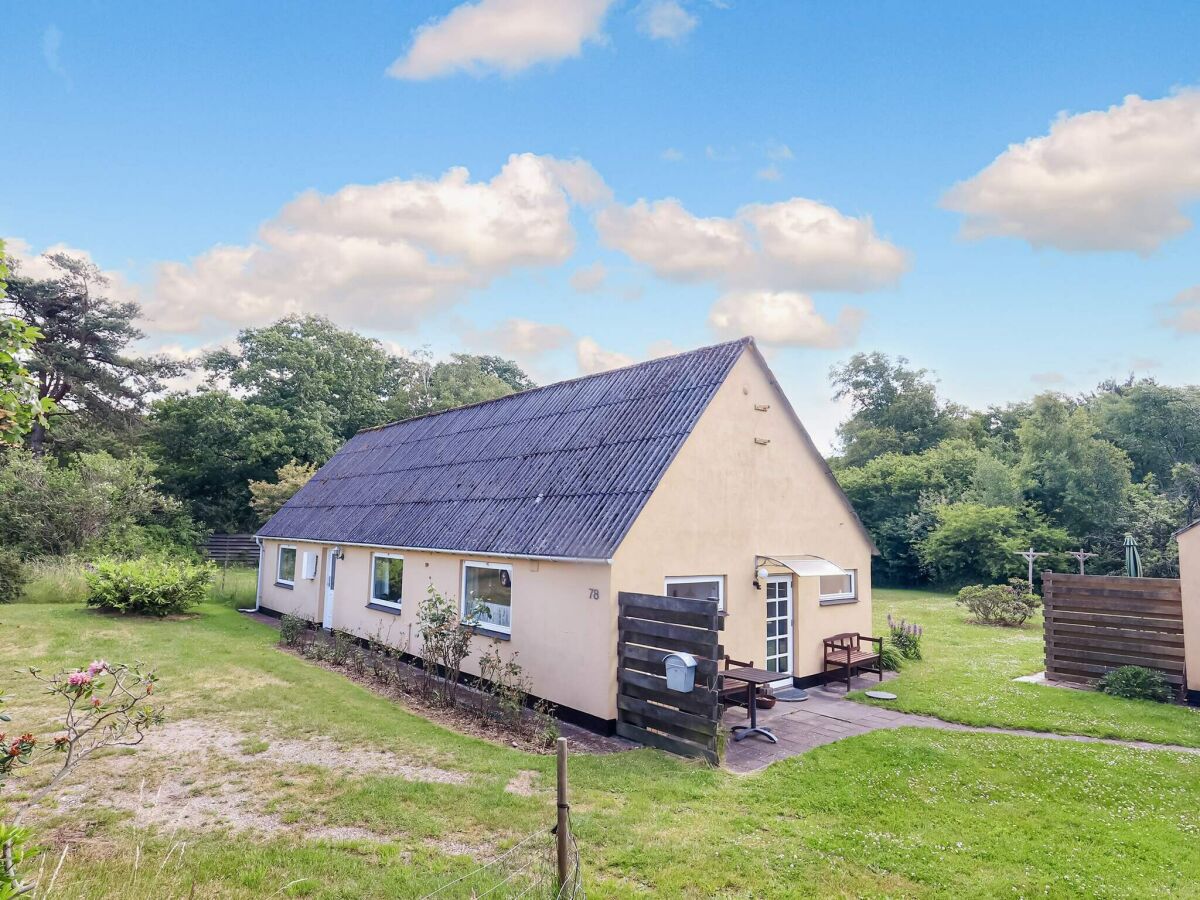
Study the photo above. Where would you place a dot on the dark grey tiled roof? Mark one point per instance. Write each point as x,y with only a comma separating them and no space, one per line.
561,470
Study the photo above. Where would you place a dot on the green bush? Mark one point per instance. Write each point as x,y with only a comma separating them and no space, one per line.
55,579
291,630
891,657
1136,683
13,576
149,585
1000,604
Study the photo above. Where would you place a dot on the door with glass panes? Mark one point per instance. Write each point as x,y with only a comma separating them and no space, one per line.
779,625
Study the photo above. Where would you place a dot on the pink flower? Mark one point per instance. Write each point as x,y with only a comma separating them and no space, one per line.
79,679
97,667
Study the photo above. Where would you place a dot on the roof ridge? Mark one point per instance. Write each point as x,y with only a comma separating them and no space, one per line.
744,341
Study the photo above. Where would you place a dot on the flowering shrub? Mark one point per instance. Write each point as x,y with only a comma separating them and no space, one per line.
107,705
1000,604
152,586
905,637
291,629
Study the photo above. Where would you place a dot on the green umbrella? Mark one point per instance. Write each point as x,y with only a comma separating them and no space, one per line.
1133,559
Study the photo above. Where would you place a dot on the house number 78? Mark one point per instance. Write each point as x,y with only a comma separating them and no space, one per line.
593,593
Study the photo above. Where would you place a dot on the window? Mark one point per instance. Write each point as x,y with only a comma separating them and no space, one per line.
285,570
489,585
387,578
697,587
840,588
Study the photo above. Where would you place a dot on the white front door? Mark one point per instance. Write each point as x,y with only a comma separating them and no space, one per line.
779,626
330,575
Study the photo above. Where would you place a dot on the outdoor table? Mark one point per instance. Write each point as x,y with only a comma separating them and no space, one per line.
753,678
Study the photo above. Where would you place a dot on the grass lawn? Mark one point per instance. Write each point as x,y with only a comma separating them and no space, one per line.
912,812
968,671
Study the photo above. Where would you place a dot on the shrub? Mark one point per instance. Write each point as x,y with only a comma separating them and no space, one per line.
343,644
891,658
291,629
905,637
13,576
445,643
1000,604
147,586
1136,683
504,687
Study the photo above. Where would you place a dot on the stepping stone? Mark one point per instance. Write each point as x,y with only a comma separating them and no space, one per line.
791,695
881,695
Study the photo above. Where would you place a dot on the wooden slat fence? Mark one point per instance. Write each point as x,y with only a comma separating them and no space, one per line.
1095,624
650,627
232,548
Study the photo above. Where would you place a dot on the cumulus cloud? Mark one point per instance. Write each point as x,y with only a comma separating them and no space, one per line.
590,278
383,255
35,264
520,338
665,20
593,358
796,244
1115,179
1183,312
501,36
782,318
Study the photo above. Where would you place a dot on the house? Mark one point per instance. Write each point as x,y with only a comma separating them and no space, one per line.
1189,586
688,476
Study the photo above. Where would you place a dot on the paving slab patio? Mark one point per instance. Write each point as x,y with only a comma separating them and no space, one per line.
827,716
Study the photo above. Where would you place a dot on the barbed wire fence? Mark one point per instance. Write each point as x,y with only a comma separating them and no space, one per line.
543,865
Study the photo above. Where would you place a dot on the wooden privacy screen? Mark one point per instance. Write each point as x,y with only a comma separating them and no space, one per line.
650,627
232,548
1095,624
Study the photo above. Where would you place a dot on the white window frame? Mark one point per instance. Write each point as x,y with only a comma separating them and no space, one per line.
279,579
489,625
393,604
852,594
699,579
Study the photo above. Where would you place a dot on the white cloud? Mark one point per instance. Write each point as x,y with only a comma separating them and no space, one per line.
593,358
1048,378
665,20
589,278
383,255
1184,311
672,155
501,35
796,244
521,338
782,318
778,152
52,53
35,264
769,173
1115,179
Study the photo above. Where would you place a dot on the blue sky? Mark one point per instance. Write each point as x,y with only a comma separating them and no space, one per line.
148,134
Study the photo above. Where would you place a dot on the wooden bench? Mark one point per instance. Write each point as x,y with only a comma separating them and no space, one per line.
734,692
845,652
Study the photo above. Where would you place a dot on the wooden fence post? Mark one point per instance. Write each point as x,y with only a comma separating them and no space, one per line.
563,829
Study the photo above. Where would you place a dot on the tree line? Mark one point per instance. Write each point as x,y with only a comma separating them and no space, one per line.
112,460
951,494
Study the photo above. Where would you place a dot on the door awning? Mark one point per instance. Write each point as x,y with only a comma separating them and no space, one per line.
809,566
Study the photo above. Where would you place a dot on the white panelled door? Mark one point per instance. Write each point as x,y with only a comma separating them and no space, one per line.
779,625
330,575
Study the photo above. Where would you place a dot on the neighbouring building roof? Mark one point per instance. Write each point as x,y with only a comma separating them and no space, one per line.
556,471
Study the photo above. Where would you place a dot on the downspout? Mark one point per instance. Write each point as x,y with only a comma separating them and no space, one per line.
258,580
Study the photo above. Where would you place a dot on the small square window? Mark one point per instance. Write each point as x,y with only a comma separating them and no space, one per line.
487,587
697,587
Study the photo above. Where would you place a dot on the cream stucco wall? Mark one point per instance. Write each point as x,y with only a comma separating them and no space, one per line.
727,498
1189,582
566,638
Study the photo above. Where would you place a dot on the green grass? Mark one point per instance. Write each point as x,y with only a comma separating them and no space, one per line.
55,579
968,670
912,812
